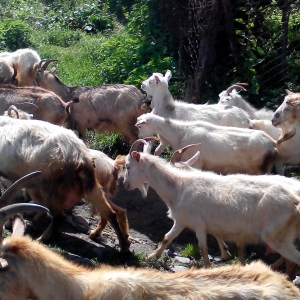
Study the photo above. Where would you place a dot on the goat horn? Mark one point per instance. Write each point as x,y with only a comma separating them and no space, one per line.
136,146
46,63
13,107
11,210
11,191
176,157
236,86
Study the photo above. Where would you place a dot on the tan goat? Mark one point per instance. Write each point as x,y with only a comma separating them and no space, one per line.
29,270
107,173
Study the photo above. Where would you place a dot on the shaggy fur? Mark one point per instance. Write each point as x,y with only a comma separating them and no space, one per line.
25,63
36,272
68,173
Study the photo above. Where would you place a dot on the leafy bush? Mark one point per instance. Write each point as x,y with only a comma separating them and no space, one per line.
15,34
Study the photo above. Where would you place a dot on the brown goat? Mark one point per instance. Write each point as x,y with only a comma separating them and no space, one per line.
107,108
29,270
42,104
107,173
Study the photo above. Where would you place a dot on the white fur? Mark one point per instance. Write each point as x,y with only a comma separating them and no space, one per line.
235,99
244,209
223,149
25,61
164,105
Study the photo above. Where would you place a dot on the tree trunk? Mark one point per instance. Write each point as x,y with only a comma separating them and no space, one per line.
210,18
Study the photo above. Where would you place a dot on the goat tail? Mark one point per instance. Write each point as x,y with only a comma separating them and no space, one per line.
68,104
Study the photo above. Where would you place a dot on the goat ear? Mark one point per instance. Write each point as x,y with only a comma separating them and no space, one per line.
289,92
53,70
168,75
139,123
157,80
3,264
136,155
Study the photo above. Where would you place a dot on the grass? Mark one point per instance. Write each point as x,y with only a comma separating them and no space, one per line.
191,250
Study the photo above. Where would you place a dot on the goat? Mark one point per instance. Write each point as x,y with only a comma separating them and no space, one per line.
267,127
7,73
177,161
68,173
42,104
223,150
29,270
13,112
25,63
286,117
111,107
163,104
233,98
244,209
107,173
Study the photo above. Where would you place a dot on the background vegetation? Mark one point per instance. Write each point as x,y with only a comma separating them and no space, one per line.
207,44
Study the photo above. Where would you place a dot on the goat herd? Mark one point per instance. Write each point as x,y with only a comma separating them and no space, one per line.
57,170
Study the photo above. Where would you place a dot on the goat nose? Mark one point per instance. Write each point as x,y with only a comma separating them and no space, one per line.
276,115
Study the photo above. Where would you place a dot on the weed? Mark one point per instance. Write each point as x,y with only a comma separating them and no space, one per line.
191,250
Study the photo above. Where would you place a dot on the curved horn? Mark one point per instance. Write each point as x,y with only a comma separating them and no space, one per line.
136,146
46,64
237,85
11,210
13,107
177,155
11,191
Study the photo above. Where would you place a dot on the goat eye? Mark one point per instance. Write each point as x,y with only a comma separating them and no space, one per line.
287,109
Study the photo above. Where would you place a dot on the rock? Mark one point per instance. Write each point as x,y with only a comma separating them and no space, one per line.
182,260
178,268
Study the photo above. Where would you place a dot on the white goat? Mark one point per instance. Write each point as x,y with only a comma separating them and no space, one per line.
68,172
13,112
25,62
29,270
244,209
232,97
7,72
164,105
267,127
223,150
286,117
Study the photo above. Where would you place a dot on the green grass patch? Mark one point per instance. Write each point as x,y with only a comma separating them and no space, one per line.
5,233
191,250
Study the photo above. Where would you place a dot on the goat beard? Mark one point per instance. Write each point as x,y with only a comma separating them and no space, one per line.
144,190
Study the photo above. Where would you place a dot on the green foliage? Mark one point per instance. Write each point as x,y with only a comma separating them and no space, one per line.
14,34
63,37
110,144
191,250
5,233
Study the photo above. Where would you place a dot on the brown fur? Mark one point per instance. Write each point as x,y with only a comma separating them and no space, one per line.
47,106
107,172
36,272
107,108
